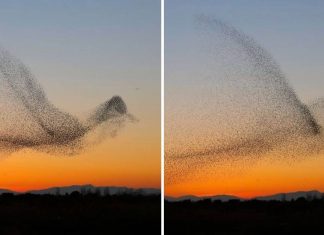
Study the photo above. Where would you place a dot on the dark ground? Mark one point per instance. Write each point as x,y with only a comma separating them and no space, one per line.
300,217
79,214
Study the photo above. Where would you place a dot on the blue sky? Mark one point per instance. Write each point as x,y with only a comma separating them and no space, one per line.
291,30
83,52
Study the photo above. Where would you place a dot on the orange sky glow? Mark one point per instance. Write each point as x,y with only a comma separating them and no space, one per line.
131,159
261,178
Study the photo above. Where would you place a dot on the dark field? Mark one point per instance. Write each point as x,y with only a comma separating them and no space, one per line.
300,217
79,214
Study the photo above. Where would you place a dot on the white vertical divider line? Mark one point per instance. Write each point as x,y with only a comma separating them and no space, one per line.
162,117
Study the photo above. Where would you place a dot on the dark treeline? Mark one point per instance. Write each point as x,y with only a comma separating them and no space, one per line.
78,213
298,217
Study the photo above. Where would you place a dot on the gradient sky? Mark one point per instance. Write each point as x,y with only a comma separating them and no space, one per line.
292,32
82,53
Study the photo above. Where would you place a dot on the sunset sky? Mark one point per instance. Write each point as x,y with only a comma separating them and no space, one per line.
291,31
82,53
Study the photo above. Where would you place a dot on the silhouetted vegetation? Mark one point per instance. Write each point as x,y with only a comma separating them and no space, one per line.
78,213
298,217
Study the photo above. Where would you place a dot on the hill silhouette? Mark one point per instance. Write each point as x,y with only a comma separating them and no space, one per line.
80,212
279,216
314,194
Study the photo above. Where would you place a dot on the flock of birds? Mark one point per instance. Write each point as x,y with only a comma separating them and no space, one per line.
29,120
239,105
238,108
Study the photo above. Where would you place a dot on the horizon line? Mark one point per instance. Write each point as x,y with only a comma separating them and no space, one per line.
244,198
